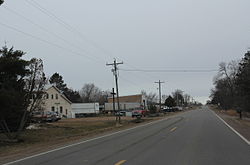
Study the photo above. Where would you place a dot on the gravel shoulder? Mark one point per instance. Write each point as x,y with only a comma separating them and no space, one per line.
232,118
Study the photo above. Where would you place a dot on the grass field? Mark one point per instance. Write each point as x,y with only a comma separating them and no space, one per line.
47,136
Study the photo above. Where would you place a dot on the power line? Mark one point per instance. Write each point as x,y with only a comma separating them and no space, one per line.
72,29
67,26
48,13
49,32
47,42
170,70
129,81
78,33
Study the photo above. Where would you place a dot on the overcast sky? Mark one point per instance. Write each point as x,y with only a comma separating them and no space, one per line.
77,38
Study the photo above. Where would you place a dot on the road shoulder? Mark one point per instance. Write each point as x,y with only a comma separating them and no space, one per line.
241,126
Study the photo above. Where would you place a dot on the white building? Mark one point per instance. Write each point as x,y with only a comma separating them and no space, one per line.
56,101
84,109
130,102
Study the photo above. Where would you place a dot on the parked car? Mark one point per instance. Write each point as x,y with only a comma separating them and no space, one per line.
40,116
58,116
169,109
51,116
136,113
37,117
179,108
121,113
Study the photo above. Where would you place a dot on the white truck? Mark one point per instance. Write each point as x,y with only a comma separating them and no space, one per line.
84,109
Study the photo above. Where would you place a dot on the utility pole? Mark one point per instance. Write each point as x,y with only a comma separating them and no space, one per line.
160,82
116,82
177,99
113,95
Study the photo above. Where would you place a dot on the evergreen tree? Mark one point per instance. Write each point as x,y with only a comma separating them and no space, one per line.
1,2
57,80
19,80
12,91
243,84
73,96
170,102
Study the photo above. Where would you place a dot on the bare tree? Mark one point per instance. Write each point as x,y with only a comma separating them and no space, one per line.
178,96
225,84
151,97
164,97
104,97
35,83
229,72
186,99
90,93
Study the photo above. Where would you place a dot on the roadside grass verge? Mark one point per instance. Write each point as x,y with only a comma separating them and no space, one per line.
48,136
230,112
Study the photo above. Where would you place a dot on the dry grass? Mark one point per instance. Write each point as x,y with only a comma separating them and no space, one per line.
63,132
66,128
232,112
66,131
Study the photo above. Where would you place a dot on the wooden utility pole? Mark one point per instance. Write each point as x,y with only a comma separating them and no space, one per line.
159,82
116,82
113,95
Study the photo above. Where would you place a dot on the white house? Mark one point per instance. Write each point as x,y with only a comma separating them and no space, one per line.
56,101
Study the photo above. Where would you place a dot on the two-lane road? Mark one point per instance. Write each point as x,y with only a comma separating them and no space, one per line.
195,137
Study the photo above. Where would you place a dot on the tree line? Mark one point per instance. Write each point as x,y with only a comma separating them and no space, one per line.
88,94
232,85
178,98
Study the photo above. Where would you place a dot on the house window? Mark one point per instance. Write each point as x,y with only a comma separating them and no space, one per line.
53,109
47,96
61,109
56,96
52,96
66,112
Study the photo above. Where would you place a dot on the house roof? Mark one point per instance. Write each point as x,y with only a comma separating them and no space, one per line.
47,87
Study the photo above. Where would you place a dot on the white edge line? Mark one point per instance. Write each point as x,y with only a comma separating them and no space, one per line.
85,141
242,137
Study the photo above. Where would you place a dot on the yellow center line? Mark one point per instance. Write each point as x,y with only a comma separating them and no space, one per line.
173,129
120,162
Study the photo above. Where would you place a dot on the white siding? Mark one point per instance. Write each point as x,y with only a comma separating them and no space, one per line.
57,102
84,108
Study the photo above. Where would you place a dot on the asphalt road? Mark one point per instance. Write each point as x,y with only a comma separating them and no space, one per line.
195,137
